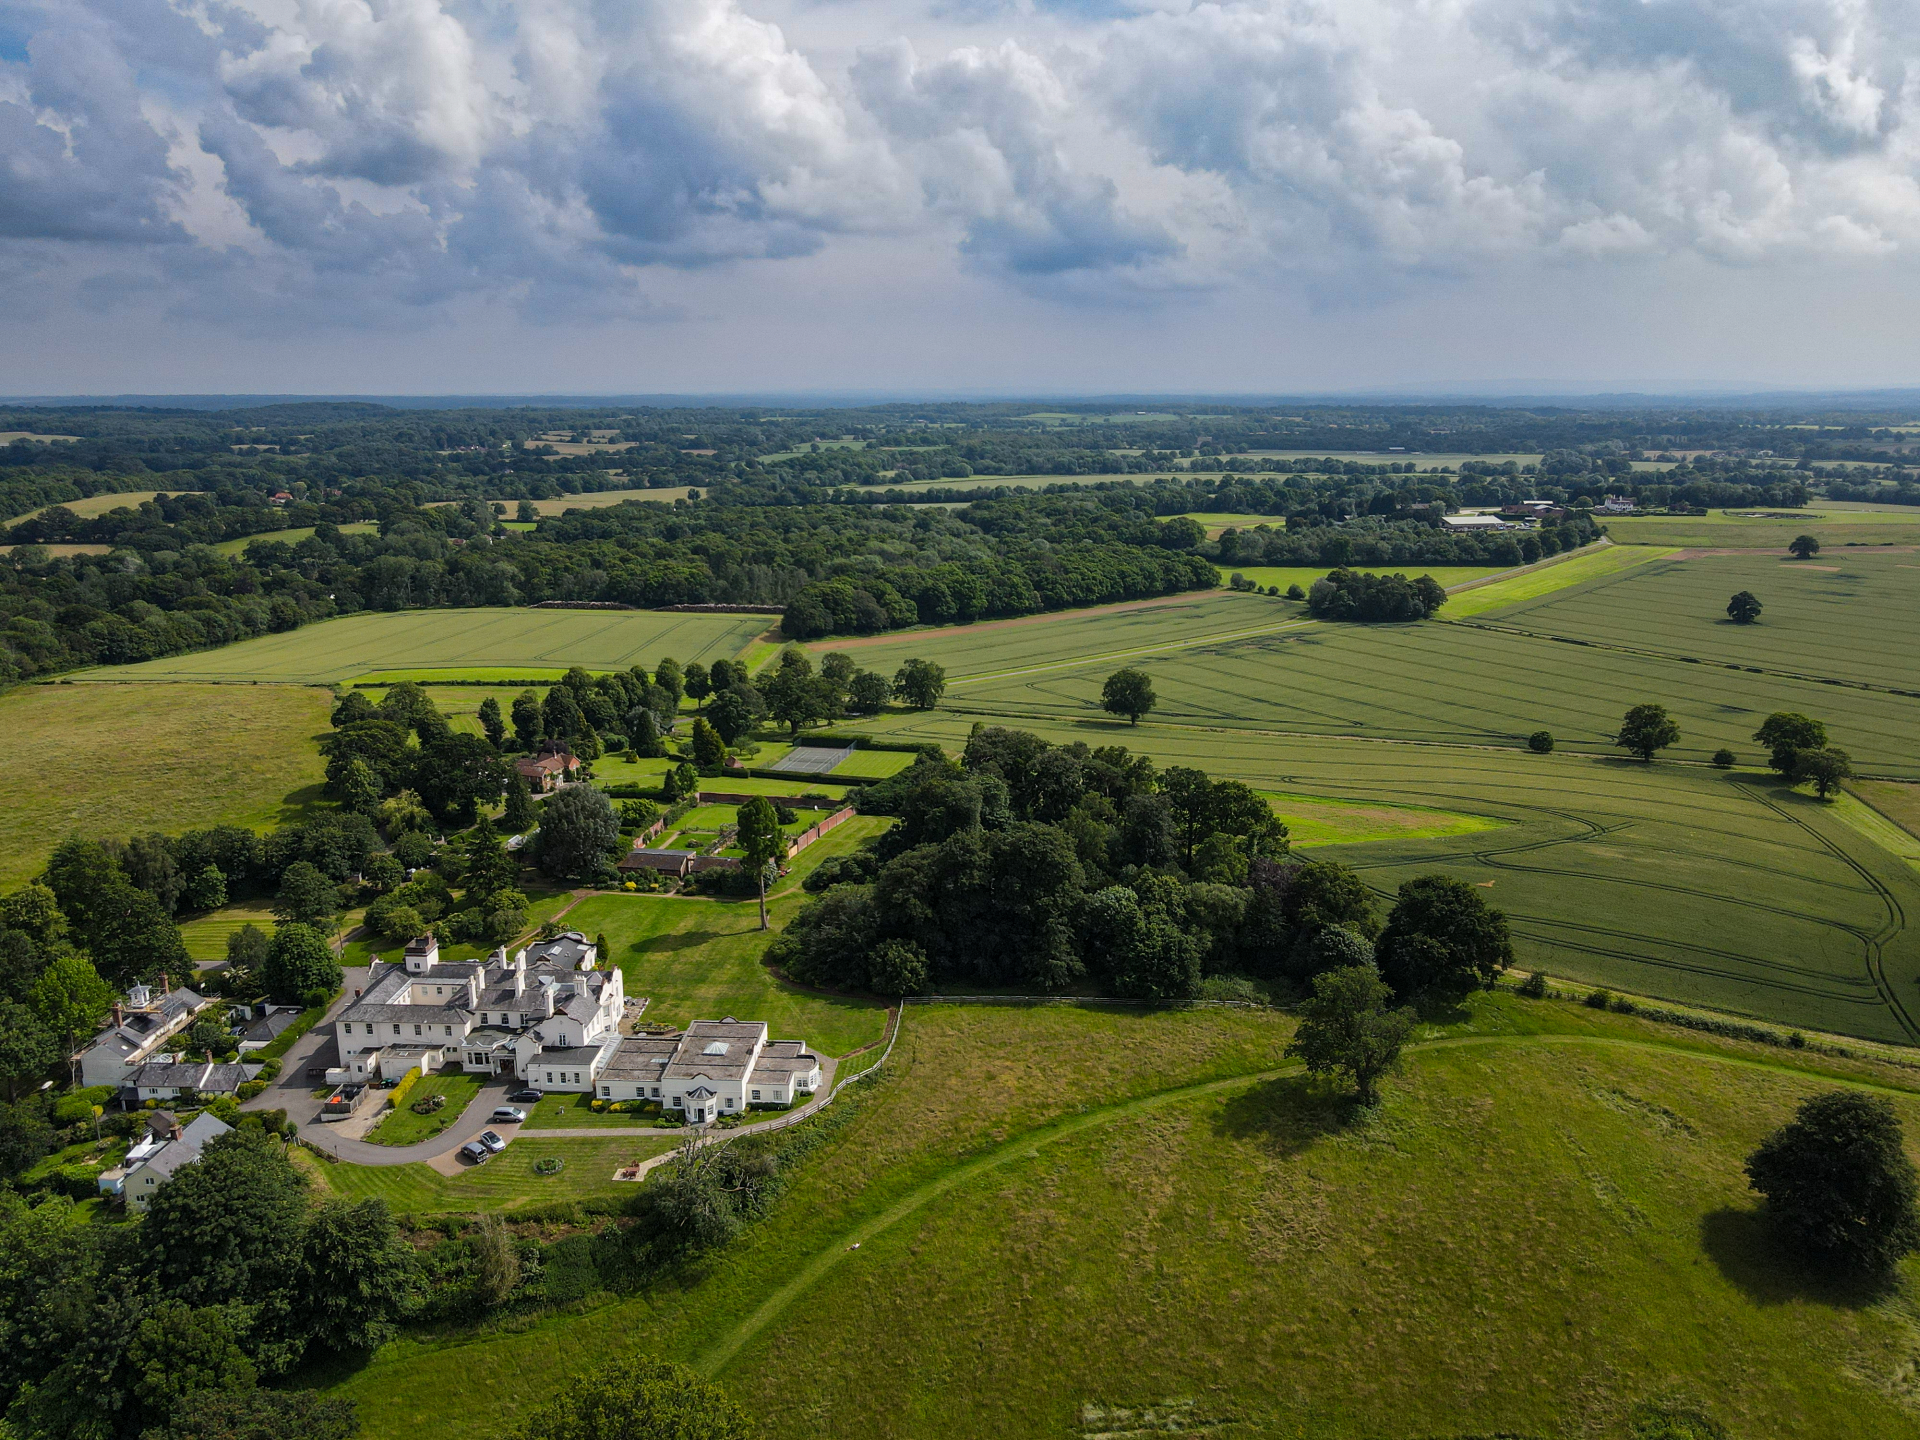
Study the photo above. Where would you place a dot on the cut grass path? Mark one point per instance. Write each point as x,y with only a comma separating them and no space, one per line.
1028,1144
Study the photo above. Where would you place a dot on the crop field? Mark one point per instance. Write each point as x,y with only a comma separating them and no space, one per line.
1545,1226
1723,889
451,643
1304,575
1898,801
1856,619
125,759
1229,662
1833,526
89,506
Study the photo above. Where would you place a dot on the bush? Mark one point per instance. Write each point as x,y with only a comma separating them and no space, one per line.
1600,999
77,1108
1725,759
250,1088
1540,742
1534,987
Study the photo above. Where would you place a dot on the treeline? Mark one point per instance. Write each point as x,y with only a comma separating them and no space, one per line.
1374,599
1376,541
1026,865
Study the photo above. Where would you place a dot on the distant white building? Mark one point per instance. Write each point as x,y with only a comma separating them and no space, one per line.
714,1068
140,1030
158,1155
1472,522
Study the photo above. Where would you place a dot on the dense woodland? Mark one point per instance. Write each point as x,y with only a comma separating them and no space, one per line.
803,509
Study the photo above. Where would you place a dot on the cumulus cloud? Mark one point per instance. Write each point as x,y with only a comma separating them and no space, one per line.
361,161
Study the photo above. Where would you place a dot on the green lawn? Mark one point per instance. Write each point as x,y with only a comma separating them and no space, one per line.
502,1184
873,764
403,1127
454,644
206,935
126,759
1548,579
1851,616
1547,1218
575,1111
700,959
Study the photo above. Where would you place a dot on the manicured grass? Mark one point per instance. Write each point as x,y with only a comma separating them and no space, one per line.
1831,525
1547,579
1318,820
1726,890
421,642
503,1184
699,959
206,935
292,537
1852,616
1548,1219
403,1127
555,1112
794,785
874,764
125,759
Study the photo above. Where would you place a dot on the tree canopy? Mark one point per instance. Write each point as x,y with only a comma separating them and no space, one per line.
1647,729
1838,1182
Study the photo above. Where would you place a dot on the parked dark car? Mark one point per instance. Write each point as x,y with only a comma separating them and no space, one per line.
528,1096
475,1153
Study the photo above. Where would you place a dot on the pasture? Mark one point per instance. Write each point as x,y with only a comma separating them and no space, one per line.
598,500
1543,1227
1727,890
125,759
1855,618
1835,525
293,536
453,644
87,507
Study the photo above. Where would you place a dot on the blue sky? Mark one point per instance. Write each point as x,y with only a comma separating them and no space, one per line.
722,195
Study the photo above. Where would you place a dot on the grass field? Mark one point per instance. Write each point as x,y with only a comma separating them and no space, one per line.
1317,820
403,1127
1833,526
423,642
1559,574
1545,1225
292,537
503,1184
126,759
700,960
87,507
1727,890
1856,619
1305,575
1899,802
1238,663
597,501
206,935
873,764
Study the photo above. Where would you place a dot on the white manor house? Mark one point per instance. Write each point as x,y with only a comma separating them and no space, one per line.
550,1018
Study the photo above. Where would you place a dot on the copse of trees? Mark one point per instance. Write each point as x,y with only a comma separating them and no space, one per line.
1025,863
1374,599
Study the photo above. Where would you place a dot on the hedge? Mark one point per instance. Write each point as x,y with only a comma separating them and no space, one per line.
404,1088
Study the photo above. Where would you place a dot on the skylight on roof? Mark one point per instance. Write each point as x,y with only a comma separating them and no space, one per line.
716,1047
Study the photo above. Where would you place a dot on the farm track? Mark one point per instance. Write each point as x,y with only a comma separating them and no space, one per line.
1029,1145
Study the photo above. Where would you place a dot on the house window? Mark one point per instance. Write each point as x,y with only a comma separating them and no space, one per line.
416,1029
549,1077
656,1092
728,1102
447,1028
607,1091
756,1094
396,1029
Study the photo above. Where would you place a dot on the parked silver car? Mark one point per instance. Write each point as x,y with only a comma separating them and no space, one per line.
509,1115
475,1153
493,1143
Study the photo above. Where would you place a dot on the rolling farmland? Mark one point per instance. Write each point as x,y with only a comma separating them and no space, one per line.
1723,889
1833,525
1852,616
514,642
